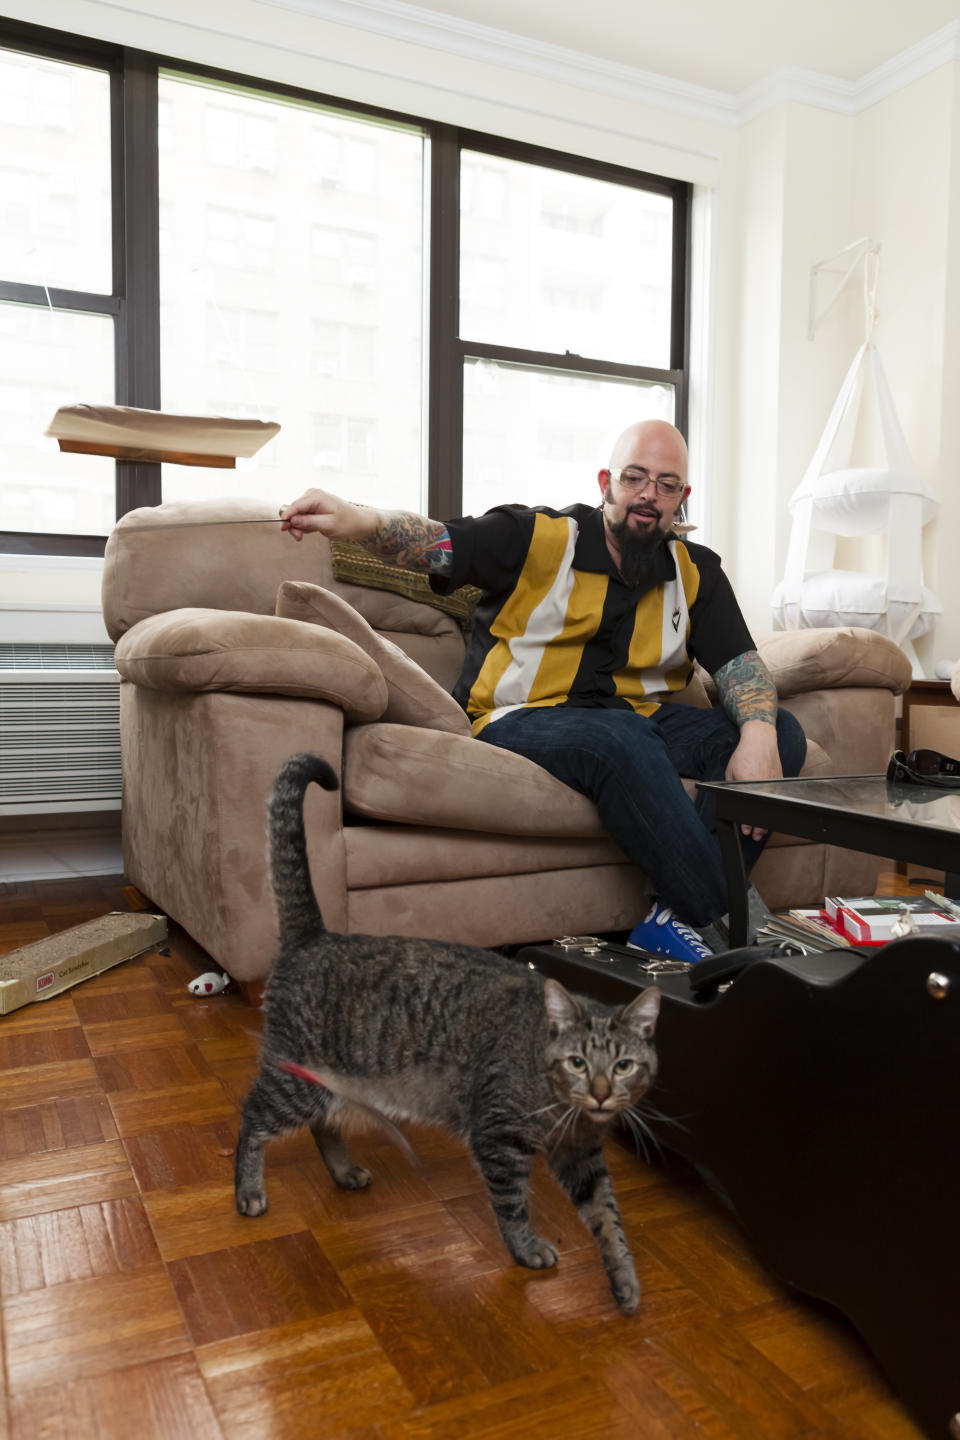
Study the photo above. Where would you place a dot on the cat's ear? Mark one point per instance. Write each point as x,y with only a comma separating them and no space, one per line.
641,1014
563,1009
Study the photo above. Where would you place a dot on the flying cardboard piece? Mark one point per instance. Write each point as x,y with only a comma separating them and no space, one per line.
127,433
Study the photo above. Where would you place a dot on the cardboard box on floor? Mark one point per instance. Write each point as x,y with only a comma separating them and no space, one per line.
49,966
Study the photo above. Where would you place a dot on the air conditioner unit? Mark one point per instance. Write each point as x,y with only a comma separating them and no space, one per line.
59,729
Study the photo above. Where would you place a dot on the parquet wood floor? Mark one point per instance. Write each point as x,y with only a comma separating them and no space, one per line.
134,1301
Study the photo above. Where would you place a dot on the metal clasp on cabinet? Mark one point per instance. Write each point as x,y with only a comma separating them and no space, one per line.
586,944
657,966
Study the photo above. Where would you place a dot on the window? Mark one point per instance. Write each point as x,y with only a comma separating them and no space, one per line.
272,254
568,327
245,141
551,431
345,455
246,242
55,238
288,301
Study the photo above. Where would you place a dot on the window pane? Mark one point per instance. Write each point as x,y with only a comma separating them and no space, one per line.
536,437
559,262
50,358
54,174
291,265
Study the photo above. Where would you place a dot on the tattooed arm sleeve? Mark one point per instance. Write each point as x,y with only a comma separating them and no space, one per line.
411,542
746,690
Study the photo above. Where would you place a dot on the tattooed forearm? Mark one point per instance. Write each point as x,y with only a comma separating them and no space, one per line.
746,690
411,542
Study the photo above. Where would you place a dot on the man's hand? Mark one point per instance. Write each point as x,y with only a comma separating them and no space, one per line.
757,757
317,510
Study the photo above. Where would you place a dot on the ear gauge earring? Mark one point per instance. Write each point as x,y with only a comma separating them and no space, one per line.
680,523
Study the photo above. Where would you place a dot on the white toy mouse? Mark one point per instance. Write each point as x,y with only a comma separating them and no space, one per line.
209,984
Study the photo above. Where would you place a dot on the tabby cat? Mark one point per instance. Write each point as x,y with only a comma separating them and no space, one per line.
443,1034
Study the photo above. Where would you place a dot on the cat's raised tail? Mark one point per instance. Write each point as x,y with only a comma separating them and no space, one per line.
297,908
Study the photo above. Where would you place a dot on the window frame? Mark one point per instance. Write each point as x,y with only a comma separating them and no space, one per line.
446,454
134,302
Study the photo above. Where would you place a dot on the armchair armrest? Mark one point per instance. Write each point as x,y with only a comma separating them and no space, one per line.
195,649
833,659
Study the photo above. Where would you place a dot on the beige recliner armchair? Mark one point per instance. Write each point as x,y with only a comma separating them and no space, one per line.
432,833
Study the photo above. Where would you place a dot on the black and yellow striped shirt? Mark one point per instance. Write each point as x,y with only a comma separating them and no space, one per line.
557,625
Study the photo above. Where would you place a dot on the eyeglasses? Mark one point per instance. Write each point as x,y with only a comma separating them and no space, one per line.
637,480
924,767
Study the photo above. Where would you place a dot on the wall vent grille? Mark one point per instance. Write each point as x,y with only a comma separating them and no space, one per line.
25,656
59,729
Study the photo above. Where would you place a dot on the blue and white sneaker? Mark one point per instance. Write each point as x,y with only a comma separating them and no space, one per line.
664,934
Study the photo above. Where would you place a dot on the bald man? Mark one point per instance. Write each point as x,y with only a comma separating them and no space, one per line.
589,625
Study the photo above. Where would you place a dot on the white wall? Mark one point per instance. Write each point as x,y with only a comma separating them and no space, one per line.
906,190
808,183
748,513
943,534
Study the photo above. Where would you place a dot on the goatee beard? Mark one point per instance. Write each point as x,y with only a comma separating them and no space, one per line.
636,549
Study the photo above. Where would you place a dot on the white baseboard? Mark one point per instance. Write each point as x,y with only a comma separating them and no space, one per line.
59,854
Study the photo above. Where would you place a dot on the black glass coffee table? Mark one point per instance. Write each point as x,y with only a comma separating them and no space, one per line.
860,812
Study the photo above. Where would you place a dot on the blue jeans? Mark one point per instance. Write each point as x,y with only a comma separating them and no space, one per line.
630,767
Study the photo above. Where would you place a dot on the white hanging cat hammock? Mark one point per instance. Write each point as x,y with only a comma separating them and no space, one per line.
836,499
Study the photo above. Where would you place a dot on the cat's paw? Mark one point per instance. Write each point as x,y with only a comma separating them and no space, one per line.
252,1202
536,1254
626,1291
353,1177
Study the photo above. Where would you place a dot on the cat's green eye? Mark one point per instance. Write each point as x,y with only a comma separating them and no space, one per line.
624,1067
576,1062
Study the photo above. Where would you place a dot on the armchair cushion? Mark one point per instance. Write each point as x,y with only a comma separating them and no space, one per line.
829,658
818,659
413,698
419,777
231,650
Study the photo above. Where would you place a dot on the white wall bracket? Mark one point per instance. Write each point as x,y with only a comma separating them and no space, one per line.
858,250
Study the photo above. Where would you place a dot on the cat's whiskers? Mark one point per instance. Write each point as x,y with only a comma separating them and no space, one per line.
562,1123
638,1140
652,1113
543,1109
574,1116
639,1126
637,1133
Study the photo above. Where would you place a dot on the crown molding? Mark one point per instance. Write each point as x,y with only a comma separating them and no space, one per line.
473,41
911,64
449,35
849,97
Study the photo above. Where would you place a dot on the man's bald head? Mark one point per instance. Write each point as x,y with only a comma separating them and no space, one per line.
655,445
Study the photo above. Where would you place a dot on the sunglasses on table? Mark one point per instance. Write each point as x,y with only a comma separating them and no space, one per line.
924,767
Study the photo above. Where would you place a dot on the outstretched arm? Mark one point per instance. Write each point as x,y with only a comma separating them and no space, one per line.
749,697
411,542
